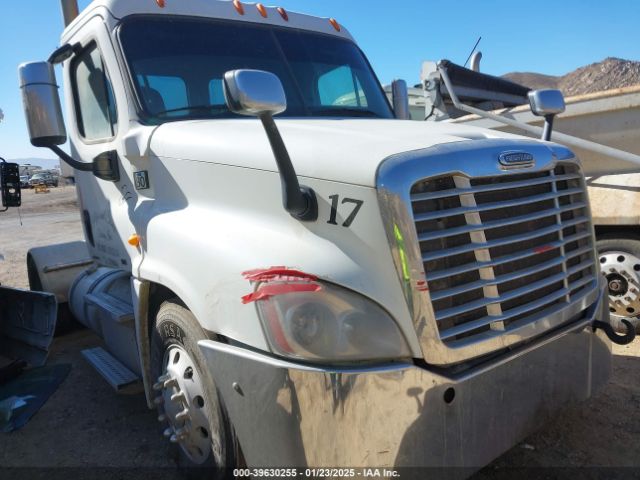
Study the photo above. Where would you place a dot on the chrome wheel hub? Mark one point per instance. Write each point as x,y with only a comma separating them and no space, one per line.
622,272
181,405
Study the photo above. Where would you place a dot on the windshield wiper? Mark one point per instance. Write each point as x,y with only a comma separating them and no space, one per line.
217,109
343,111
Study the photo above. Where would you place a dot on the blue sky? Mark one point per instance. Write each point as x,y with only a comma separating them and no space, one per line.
552,37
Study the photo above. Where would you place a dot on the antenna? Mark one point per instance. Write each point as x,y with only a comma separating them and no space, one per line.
473,50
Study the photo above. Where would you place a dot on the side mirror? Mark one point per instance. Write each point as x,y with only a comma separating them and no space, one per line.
547,104
42,104
10,184
260,94
254,93
44,114
400,96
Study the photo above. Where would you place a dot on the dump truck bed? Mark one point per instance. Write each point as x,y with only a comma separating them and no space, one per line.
610,118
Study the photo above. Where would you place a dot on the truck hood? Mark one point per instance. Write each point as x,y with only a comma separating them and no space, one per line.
348,150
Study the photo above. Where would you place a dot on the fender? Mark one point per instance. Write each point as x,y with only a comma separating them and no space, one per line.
200,249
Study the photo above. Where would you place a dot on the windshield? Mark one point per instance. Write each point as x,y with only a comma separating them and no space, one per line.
177,66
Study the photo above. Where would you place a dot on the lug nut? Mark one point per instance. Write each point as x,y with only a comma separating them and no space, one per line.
159,400
177,397
172,382
168,432
162,418
183,415
173,439
158,386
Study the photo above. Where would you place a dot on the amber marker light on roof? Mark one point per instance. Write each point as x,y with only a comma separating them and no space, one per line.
239,6
335,24
262,10
283,13
161,3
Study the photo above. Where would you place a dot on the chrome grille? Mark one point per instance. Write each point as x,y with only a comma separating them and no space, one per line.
503,251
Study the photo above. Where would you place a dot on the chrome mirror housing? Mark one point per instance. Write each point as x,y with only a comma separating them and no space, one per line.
41,103
546,102
254,93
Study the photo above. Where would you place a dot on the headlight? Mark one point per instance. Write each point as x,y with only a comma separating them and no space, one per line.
317,321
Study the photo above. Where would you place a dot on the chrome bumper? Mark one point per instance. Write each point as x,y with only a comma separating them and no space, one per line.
287,414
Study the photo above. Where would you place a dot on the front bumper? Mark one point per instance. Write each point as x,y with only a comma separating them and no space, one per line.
287,414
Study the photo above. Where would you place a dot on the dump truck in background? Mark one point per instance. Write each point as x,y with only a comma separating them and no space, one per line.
337,287
605,119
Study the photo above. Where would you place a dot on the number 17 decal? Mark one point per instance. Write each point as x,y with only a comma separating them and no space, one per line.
335,200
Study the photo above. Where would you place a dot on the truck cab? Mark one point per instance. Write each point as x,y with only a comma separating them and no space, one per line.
280,259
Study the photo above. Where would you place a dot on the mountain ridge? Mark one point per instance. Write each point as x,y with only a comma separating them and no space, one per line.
608,74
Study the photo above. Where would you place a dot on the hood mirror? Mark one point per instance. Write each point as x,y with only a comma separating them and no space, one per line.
260,94
400,98
254,93
547,104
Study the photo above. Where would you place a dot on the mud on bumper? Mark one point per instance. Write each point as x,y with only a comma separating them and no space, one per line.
287,414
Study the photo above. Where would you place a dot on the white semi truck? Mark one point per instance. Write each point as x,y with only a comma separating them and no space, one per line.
338,287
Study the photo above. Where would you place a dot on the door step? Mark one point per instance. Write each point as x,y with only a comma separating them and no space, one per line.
112,370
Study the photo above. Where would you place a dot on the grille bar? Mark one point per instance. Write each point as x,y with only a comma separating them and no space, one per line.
422,217
467,287
503,241
500,223
468,267
546,301
502,298
499,251
455,192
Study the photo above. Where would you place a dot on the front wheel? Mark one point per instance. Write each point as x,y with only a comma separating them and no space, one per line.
190,408
620,265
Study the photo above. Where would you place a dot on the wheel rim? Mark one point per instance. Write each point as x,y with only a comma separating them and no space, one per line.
181,405
622,272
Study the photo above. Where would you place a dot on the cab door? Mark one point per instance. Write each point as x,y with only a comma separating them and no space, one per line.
97,122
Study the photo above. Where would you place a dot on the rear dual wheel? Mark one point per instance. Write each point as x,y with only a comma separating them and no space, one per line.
620,265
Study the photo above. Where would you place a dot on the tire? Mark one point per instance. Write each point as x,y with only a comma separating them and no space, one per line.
176,330
628,248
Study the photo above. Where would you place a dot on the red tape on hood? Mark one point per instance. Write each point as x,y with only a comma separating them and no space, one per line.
277,273
268,291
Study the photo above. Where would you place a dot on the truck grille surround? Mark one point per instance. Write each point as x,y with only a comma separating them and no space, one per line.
502,251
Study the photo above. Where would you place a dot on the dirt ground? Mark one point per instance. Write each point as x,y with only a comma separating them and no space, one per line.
43,219
85,424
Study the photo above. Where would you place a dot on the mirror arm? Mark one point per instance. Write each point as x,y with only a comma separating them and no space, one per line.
299,201
548,127
104,166
82,166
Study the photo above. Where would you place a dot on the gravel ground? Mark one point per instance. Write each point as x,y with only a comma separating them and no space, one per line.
85,424
43,219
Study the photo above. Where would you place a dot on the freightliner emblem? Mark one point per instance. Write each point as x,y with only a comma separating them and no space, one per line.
515,159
